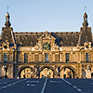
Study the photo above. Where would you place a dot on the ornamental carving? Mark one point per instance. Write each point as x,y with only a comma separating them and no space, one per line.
46,46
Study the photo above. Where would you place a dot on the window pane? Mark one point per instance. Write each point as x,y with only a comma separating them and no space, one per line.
25,57
87,57
5,57
46,57
67,57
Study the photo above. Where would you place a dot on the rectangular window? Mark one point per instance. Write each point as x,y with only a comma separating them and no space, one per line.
87,57
5,57
67,57
25,57
46,57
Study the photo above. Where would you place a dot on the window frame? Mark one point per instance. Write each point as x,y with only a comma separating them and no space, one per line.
25,57
87,57
5,57
67,57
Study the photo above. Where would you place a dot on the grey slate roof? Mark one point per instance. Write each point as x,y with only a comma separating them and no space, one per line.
62,38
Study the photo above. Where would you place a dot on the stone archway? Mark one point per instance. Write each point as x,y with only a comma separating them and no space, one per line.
26,72
92,75
67,72
46,71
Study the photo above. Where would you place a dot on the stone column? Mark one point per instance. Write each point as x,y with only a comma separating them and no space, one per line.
64,60
33,57
80,70
40,57
35,71
90,57
61,57
76,72
10,72
57,72
71,57
79,57
43,57
50,57
53,58
15,56
0,71
22,57
0,57
29,57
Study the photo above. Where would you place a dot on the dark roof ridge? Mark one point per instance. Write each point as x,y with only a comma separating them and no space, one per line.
44,32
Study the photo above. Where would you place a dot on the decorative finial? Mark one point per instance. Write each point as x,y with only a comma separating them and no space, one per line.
7,23
85,23
7,8
85,8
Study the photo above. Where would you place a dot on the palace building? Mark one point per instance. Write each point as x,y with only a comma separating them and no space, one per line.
46,54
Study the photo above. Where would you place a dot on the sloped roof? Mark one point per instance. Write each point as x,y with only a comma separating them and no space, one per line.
62,38
7,34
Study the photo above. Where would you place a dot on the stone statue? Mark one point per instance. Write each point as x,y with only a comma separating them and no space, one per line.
88,67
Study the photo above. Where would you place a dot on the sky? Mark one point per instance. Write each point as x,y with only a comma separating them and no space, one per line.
46,15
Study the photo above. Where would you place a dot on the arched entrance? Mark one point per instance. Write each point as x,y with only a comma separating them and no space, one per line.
67,72
26,72
92,75
46,72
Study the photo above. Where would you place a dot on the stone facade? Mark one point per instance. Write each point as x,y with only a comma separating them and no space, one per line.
46,54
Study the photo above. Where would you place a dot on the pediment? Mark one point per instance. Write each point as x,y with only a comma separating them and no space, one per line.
46,36
5,46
